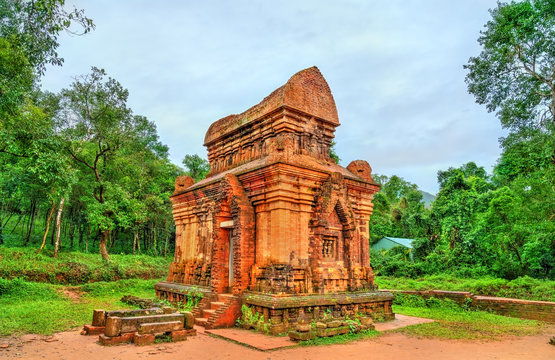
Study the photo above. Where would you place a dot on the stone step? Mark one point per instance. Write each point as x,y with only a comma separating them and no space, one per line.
208,312
160,327
131,324
201,321
214,305
225,297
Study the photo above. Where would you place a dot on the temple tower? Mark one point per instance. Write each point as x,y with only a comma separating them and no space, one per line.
277,224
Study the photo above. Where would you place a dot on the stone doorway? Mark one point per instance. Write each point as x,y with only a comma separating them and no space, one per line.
227,227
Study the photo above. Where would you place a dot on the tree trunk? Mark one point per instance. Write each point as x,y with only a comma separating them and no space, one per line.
154,241
166,245
87,240
58,226
47,226
31,223
102,244
81,231
17,223
135,236
71,233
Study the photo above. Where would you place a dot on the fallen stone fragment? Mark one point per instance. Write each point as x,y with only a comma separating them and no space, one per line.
303,327
334,324
301,336
332,331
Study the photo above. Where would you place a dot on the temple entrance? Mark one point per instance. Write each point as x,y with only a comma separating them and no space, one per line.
227,227
230,263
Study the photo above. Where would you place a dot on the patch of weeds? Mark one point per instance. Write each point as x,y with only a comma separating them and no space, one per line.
253,319
341,339
162,338
193,298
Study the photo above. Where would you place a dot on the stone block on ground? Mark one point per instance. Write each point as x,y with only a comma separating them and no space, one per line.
113,326
365,320
93,330
321,325
99,318
189,319
332,331
159,328
179,335
334,324
115,340
301,336
131,324
303,327
143,339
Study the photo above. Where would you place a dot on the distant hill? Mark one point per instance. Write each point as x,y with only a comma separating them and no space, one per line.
427,198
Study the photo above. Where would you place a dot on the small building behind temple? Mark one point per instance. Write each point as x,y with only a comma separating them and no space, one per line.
277,225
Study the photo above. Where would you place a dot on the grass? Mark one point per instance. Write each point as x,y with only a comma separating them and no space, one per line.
76,267
29,307
520,288
455,322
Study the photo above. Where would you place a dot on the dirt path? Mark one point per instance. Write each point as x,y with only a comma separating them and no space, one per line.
72,345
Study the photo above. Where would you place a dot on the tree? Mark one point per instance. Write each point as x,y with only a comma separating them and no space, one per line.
197,167
515,72
34,27
95,122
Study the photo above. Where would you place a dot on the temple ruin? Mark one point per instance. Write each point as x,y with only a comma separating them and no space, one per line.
277,225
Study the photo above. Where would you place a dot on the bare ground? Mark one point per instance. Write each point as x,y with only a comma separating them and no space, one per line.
71,345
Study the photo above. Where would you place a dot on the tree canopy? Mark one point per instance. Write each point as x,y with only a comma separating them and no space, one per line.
515,72
196,167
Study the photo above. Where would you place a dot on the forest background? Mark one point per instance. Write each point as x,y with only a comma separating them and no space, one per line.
80,172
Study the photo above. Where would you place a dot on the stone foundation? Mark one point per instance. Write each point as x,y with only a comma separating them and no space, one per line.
282,311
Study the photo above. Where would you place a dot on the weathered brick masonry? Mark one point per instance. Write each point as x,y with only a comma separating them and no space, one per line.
276,216
527,309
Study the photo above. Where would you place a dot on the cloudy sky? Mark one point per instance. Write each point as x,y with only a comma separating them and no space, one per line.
395,69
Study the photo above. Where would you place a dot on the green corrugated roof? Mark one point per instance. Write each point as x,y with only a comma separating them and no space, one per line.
401,241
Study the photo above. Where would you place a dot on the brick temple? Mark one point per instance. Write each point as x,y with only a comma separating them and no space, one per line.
277,225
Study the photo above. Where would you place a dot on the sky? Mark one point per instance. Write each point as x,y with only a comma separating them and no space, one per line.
395,69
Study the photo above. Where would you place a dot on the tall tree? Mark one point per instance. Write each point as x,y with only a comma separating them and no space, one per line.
95,121
515,72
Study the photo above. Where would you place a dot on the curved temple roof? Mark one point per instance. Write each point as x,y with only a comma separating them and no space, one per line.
306,91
